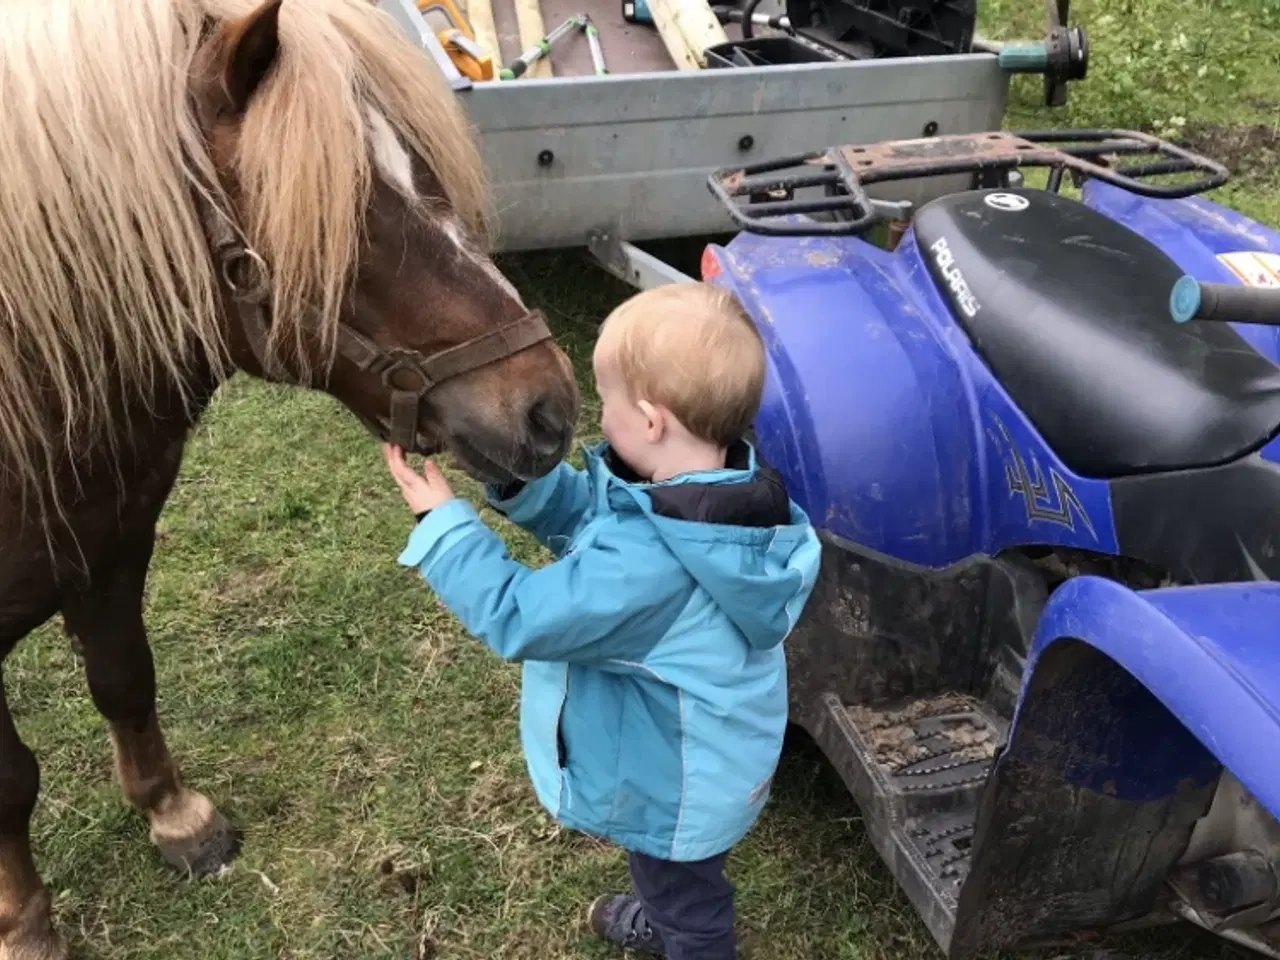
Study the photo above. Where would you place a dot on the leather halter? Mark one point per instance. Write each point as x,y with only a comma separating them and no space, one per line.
407,374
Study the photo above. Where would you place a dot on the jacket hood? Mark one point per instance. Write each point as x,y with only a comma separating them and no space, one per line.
735,530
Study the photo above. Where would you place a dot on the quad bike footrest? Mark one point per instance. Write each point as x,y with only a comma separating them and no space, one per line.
917,770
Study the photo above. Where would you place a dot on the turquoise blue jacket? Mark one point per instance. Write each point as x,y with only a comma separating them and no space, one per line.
654,695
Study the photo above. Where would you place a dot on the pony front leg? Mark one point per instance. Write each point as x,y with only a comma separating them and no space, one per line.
106,618
26,927
191,834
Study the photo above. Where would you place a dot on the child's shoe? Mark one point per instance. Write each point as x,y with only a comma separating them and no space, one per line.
619,918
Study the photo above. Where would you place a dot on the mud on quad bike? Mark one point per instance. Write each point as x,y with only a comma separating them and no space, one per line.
1038,436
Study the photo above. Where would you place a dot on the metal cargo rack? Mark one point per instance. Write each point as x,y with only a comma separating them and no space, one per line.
611,161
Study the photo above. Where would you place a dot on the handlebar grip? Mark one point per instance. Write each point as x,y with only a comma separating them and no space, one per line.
1224,302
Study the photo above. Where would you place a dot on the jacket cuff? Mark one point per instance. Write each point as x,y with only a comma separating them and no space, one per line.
440,529
531,500
500,494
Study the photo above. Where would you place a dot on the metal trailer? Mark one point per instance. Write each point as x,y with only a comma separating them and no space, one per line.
609,162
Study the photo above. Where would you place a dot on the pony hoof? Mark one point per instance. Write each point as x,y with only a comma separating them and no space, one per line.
48,947
205,852
34,938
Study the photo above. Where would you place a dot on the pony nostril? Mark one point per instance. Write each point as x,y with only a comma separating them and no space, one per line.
548,425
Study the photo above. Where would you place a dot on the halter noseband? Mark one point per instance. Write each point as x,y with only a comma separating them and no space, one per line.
407,374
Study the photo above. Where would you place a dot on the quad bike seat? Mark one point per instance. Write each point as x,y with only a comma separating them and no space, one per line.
1069,310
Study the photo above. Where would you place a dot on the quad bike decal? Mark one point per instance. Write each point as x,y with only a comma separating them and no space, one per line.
1061,506
1254,268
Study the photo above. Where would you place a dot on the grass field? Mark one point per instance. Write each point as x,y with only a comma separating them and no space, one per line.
368,748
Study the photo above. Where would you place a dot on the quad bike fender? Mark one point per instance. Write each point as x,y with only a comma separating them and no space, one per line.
1132,703
865,411
1210,654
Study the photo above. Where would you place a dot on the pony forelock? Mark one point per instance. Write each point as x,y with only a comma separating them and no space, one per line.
106,280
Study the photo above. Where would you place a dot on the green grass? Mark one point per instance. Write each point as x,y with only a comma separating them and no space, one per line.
322,698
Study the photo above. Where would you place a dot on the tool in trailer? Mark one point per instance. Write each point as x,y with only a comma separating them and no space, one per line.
637,11
476,22
468,54
411,19
457,79
593,41
445,14
458,38
531,27
520,65
777,21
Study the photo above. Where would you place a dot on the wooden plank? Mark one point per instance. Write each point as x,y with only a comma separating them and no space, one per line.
697,25
532,29
673,38
504,20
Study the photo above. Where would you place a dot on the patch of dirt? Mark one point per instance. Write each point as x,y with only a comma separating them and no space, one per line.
892,736
973,742
493,792
402,876
246,586
1245,149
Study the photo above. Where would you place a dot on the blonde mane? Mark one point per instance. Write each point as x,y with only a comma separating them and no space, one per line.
102,250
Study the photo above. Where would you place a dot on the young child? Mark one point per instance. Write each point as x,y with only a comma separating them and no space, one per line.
654,692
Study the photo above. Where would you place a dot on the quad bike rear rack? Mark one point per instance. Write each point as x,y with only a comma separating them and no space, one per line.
842,173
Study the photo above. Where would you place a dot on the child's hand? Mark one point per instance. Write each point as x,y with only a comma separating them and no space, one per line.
422,493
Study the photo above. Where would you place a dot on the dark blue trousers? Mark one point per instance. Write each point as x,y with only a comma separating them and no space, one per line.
689,905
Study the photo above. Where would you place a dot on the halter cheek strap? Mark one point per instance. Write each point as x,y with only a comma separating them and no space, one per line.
410,376
407,374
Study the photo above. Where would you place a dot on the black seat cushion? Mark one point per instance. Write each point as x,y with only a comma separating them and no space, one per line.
1069,309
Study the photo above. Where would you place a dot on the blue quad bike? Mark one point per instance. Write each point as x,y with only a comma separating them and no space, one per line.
1039,438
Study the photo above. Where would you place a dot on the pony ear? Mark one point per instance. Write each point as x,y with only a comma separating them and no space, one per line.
251,49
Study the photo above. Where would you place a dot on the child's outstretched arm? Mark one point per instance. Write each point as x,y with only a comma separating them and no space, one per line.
550,507
582,608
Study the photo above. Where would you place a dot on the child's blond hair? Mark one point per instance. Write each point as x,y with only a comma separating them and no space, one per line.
692,348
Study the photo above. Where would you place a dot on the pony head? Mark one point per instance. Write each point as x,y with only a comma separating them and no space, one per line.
347,219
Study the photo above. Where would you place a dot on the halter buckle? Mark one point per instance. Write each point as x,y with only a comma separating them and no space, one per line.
397,366
245,274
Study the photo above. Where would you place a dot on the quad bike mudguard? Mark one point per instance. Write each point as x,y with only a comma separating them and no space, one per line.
1133,704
